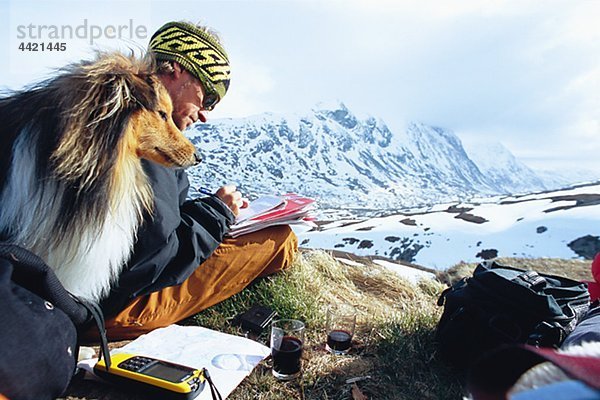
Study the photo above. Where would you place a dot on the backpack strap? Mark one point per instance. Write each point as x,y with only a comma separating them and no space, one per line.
96,313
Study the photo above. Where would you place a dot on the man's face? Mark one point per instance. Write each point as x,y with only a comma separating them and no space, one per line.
187,94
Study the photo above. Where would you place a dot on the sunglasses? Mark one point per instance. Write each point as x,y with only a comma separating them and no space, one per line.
210,101
211,98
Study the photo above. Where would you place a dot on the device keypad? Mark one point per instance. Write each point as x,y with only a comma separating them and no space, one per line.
136,363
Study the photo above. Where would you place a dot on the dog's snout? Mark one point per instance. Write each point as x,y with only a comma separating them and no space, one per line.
197,157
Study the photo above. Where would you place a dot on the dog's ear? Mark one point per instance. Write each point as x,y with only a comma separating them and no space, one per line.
126,81
144,89
99,98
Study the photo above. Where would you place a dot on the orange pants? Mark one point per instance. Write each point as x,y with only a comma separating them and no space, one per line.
233,265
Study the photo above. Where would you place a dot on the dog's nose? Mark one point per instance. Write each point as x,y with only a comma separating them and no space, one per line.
197,157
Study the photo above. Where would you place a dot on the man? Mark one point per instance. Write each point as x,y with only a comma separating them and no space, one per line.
182,262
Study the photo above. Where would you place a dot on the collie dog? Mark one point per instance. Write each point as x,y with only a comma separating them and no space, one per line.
72,187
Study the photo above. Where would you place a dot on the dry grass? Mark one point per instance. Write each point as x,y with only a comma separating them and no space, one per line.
392,346
393,351
575,269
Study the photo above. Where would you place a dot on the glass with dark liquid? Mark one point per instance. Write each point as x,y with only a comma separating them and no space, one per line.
287,342
341,321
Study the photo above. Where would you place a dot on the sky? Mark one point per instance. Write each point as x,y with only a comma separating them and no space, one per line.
522,73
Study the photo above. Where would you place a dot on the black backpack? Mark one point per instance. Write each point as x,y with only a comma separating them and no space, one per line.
39,323
505,305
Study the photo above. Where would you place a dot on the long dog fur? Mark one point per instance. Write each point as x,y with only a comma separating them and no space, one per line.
72,188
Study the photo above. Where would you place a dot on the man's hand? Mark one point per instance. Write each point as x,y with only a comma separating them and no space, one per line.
230,196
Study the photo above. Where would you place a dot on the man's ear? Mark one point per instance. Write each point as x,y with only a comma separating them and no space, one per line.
177,70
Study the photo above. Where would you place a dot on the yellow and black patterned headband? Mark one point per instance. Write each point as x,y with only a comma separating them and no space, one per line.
197,51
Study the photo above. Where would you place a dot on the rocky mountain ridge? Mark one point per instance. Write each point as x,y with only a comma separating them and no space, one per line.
343,161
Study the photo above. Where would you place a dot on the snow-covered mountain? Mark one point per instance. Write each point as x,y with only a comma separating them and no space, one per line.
343,161
559,179
503,170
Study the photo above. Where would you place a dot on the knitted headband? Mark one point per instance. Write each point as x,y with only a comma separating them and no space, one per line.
197,51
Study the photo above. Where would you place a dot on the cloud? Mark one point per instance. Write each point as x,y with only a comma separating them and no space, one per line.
252,84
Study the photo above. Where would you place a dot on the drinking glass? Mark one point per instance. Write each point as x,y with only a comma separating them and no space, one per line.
341,321
287,342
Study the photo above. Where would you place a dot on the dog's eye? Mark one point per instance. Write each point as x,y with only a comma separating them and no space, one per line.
163,115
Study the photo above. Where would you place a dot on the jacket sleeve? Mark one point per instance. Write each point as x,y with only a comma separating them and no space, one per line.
173,241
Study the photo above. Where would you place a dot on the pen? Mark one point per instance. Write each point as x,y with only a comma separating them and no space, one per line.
205,191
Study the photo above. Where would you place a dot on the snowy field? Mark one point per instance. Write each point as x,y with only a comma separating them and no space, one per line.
562,224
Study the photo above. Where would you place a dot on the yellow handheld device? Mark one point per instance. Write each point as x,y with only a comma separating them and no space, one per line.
156,378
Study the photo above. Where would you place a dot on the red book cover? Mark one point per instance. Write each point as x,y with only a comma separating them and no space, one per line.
293,203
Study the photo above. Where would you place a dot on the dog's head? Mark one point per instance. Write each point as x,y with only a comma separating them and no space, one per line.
115,108
151,132
157,138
